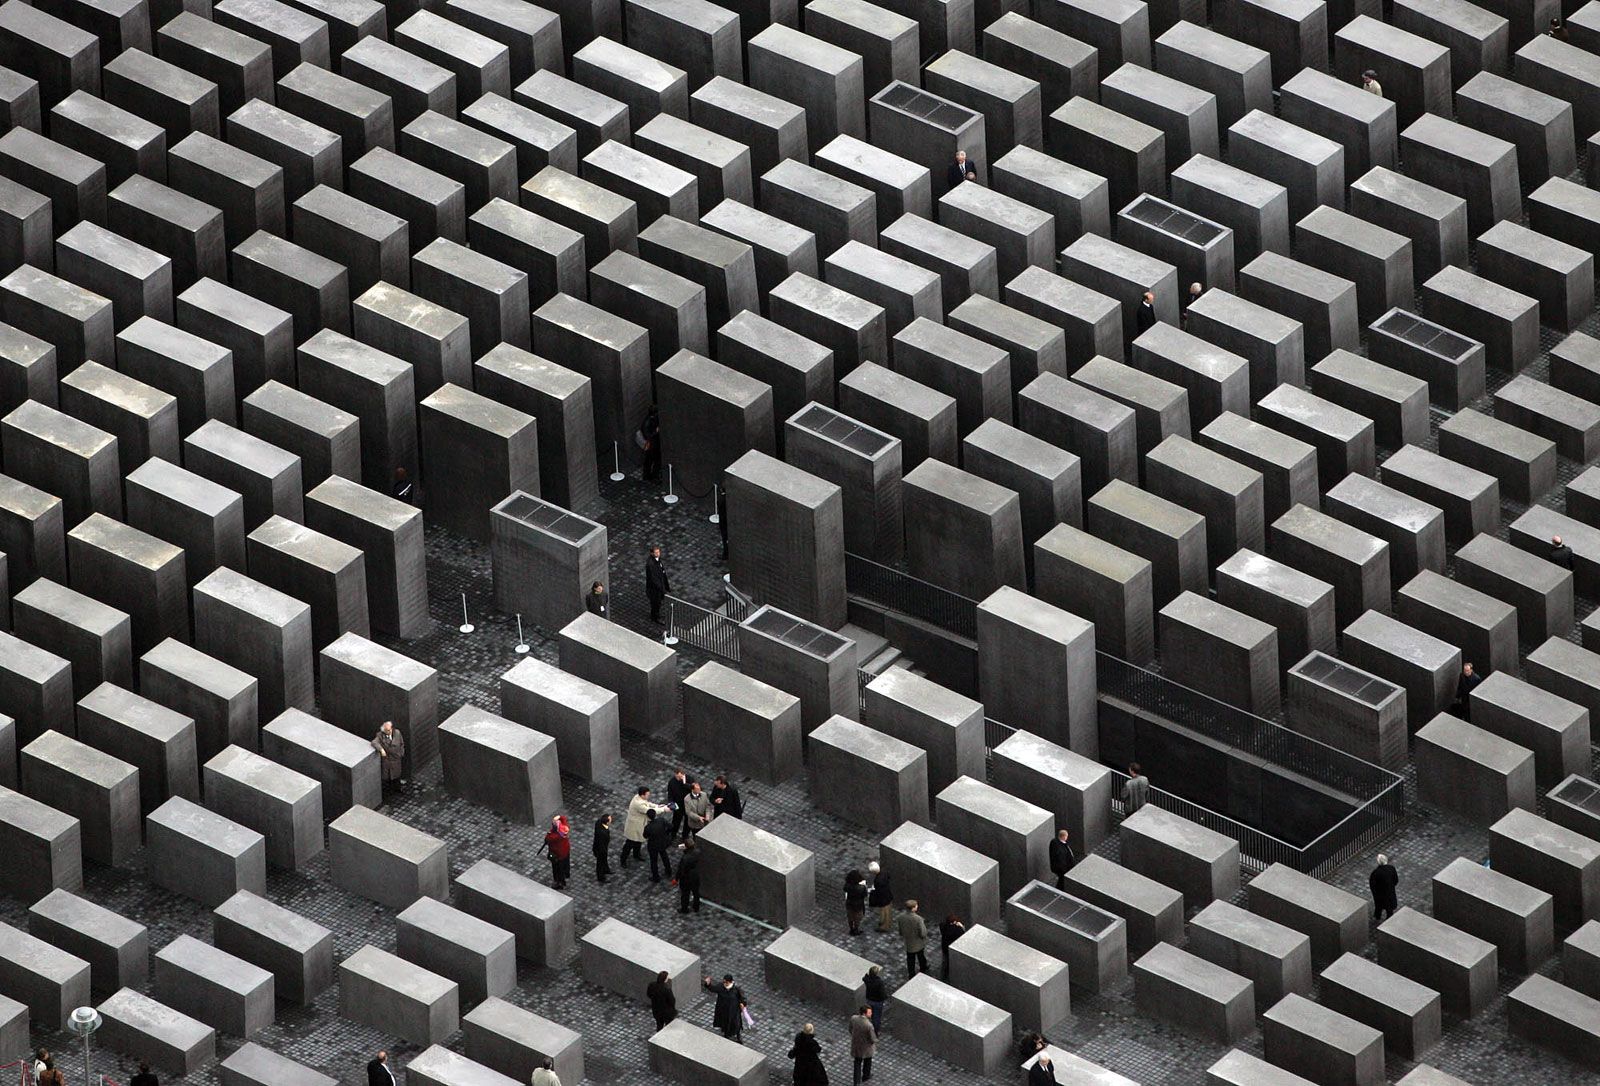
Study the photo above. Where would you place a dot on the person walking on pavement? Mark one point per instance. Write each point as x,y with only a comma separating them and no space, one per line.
400,490
806,1052
696,810
1043,1072
391,748
877,993
1464,687
727,1014
559,842
602,848
663,1000
597,602
863,1043
378,1073
677,788
656,584
1136,793
658,838
1370,84
881,897
725,798
855,900
1144,317
950,930
639,814
145,1077
1384,883
1061,858
545,1075
914,934
1560,553
689,876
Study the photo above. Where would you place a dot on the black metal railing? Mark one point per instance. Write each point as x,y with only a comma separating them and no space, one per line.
900,591
710,631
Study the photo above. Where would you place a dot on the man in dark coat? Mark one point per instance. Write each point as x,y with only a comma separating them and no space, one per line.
649,439
391,748
1560,553
728,1013
596,601
656,585
863,1045
602,848
962,169
1061,858
378,1073
1384,882
1464,687
663,1000
725,799
658,838
1145,316
806,1052
1043,1072
678,787
689,877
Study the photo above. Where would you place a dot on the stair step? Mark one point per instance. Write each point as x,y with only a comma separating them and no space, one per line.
868,644
882,661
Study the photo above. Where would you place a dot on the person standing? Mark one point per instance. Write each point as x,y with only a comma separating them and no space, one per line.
914,934
639,814
863,1043
656,584
663,1000
689,877
1043,1072
806,1052
696,810
727,1014
1195,290
1370,84
378,1073
658,838
677,788
596,602
855,900
881,897
950,929
1144,317
962,169
1384,883
1560,553
391,748
1464,687
559,842
602,848
877,992
1136,793
50,1075
722,517
545,1075
725,798
649,440
1061,858
401,490
145,1077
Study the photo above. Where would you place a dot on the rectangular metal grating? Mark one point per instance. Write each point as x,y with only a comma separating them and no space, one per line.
929,107
812,640
548,518
1171,219
1581,793
1336,675
828,423
1066,910
1424,334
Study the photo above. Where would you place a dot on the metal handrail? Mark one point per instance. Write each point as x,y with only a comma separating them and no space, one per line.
902,592
715,632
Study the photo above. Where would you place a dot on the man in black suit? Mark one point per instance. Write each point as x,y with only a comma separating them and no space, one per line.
962,169
378,1073
1145,316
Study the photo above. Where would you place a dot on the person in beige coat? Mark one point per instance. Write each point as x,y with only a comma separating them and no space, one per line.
639,808
696,809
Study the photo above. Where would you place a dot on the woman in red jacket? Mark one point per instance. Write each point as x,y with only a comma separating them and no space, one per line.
559,842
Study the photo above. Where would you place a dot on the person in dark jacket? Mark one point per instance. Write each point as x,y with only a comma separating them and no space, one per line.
677,788
391,747
855,900
727,1014
725,799
559,843
881,897
863,1045
596,602
657,839
663,1001
950,930
649,439
1560,553
1145,316
962,169
689,876
1468,682
656,584
602,848
145,1077
1384,882
1061,858
1043,1072
806,1052
378,1073
401,489
877,992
